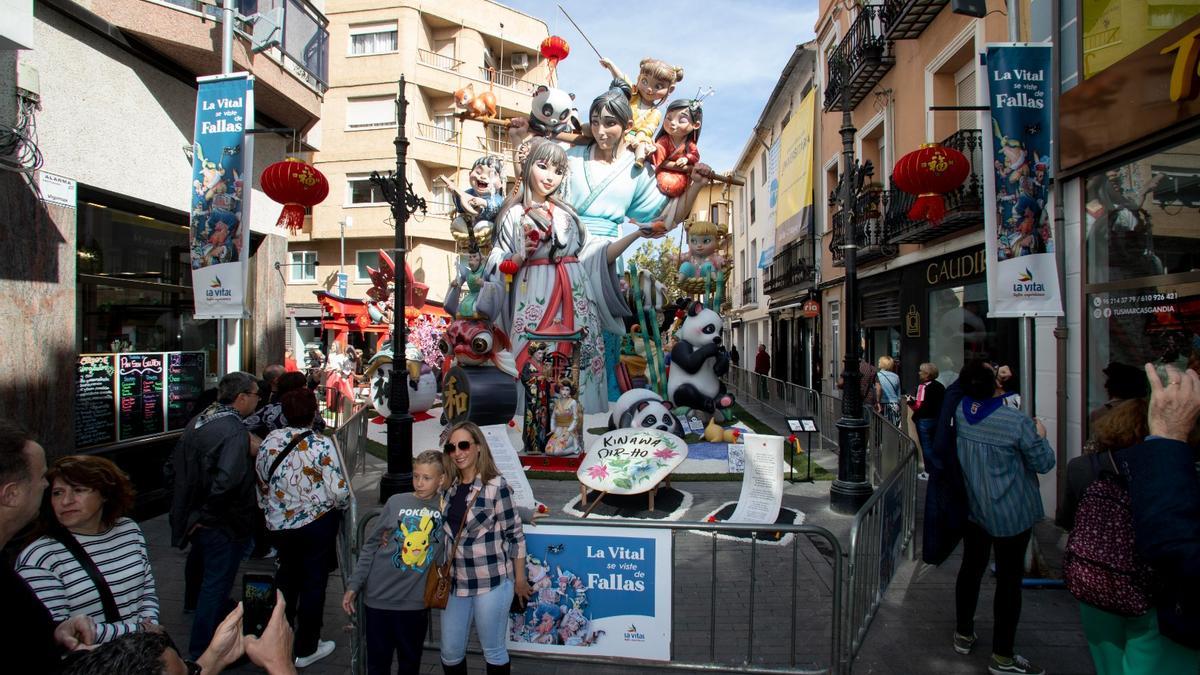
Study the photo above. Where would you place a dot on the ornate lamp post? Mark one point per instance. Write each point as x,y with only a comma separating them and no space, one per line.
398,193
850,490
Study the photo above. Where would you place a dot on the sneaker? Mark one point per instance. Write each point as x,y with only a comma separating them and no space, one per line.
326,647
1017,664
923,476
964,645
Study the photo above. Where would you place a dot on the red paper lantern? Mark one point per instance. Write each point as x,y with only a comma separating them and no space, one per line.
928,173
297,185
555,49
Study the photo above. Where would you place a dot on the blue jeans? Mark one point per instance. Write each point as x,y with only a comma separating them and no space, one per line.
490,613
217,555
925,429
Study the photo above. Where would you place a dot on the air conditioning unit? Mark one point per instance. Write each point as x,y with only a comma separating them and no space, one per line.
268,29
520,61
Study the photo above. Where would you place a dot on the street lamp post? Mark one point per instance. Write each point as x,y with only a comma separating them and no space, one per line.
850,490
398,193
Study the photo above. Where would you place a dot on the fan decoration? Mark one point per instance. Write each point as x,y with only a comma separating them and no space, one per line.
928,173
554,49
297,185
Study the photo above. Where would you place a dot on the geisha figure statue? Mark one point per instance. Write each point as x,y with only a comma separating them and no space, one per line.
479,203
566,438
483,297
535,426
563,279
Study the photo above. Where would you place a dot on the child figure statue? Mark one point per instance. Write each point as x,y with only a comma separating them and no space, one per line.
675,146
656,80
702,259
478,205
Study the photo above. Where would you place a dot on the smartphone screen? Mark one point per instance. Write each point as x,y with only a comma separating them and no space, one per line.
258,601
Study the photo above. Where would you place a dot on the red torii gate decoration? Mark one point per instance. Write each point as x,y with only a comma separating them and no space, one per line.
373,313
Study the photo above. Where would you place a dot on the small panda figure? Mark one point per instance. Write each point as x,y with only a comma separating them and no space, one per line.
698,360
553,112
644,409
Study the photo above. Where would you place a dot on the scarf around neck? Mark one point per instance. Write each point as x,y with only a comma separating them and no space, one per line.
215,412
976,411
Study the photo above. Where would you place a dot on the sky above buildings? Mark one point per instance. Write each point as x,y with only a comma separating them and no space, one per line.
737,48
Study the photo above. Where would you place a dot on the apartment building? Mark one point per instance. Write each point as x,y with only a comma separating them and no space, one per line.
440,47
96,227
922,290
773,249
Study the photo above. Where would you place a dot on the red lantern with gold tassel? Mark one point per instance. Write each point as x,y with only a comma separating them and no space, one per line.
928,173
297,185
554,49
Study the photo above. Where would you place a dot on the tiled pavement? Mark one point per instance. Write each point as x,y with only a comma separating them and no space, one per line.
910,634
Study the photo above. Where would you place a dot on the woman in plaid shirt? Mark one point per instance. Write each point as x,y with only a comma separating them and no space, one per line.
489,563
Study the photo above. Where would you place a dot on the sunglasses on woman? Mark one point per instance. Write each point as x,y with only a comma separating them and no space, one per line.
450,448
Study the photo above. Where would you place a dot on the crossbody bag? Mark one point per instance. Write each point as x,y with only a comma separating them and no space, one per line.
64,537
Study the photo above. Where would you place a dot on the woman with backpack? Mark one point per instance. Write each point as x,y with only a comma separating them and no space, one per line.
1114,585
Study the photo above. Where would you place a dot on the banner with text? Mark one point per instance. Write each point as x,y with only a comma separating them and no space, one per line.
600,591
795,212
1022,277
222,153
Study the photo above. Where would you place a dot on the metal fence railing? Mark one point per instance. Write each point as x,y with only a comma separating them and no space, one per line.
351,439
784,398
883,528
738,637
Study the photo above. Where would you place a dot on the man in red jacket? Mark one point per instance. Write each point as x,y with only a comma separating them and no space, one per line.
762,366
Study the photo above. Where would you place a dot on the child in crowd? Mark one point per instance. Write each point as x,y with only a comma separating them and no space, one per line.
392,566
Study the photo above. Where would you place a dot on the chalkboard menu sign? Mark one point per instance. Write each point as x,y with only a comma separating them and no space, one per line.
95,400
140,395
185,381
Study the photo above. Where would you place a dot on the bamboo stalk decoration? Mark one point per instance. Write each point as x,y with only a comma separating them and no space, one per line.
651,368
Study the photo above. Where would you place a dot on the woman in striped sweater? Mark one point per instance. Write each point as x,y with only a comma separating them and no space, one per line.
90,497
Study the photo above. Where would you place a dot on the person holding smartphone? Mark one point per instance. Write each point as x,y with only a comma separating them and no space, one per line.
489,563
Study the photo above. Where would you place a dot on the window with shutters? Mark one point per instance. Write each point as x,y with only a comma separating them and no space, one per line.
360,191
373,38
374,112
965,92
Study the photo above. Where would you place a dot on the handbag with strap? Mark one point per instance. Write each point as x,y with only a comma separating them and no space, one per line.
64,537
437,579
287,450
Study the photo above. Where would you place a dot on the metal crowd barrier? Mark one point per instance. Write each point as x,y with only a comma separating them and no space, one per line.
351,439
883,528
784,398
739,588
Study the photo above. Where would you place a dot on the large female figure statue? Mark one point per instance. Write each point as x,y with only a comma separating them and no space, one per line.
606,189
565,279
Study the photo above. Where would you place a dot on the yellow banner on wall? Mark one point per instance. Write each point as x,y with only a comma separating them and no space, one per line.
794,213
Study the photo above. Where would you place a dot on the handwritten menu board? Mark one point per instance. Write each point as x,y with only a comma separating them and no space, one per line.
185,381
139,395
95,400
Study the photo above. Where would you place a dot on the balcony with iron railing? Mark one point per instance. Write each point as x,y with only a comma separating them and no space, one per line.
496,146
439,61
507,79
430,132
907,19
794,266
964,204
869,228
865,53
750,291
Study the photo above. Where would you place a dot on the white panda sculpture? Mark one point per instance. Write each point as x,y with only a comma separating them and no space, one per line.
644,409
698,361
552,112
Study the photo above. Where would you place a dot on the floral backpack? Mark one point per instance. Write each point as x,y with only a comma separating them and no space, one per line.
1101,564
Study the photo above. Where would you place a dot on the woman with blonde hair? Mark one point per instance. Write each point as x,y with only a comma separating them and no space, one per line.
887,390
488,563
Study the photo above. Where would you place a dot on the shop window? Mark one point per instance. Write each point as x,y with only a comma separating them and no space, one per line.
372,112
1141,217
303,267
1115,29
959,330
763,167
362,192
377,38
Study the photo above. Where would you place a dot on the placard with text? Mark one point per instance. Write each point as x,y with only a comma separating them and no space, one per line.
600,591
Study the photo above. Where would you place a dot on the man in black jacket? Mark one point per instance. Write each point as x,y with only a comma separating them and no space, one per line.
213,503
1165,492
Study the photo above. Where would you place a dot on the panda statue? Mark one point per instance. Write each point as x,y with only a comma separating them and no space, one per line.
644,409
698,361
553,112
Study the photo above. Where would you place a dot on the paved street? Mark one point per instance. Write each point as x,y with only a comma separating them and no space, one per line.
910,634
